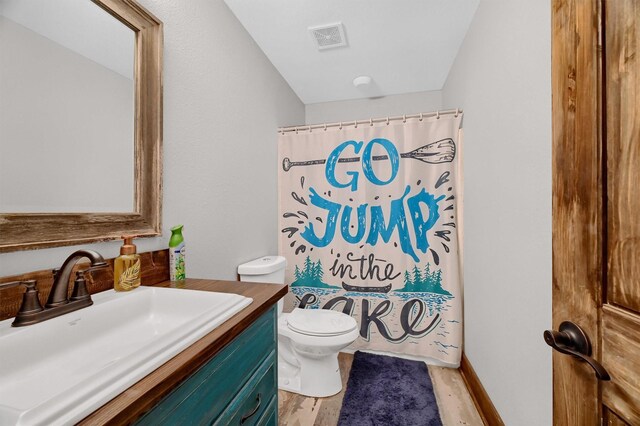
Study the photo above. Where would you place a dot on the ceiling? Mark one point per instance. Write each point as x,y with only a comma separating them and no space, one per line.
404,46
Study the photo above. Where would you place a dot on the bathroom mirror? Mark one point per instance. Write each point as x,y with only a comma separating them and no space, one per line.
80,122
66,96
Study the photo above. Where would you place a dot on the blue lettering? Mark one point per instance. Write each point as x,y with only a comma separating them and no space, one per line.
346,220
332,160
397,219
421,226
330,228
394,159
378,226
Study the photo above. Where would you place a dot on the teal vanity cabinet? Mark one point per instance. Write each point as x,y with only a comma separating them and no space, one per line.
238,386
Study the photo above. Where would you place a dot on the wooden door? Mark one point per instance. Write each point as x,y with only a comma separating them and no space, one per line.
596,206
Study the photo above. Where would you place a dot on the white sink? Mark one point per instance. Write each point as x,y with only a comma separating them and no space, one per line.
61,370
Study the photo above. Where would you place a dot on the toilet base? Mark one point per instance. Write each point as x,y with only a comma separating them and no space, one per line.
316,377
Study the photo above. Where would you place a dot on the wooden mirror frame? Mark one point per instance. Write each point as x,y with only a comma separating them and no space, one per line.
26,231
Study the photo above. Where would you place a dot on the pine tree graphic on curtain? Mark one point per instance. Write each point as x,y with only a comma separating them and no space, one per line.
310,276
429,282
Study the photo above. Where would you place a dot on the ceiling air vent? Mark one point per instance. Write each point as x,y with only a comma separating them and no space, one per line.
329,36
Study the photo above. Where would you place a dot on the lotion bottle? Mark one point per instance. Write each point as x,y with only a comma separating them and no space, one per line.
126,268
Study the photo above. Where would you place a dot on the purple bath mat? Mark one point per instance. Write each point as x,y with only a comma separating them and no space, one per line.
388,391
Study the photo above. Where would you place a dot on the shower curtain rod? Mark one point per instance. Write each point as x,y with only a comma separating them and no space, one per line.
355,123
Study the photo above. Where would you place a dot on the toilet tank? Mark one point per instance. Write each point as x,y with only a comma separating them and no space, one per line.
268,269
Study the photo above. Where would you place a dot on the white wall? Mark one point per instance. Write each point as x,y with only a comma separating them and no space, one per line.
223,101
362,109
501,78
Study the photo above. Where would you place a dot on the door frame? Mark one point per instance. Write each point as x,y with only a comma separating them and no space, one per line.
579,222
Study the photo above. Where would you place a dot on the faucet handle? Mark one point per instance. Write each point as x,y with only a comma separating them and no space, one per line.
30,300
30,304
80,291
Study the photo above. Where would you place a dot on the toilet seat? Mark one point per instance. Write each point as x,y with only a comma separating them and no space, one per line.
320,322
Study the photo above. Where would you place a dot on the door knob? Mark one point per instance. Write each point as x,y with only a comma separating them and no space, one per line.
570,339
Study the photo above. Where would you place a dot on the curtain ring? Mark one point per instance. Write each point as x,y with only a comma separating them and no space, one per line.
325,127
438,114
387,120
310,129
341,125
404,118
420,116
370,121
456,113
296,130
355,124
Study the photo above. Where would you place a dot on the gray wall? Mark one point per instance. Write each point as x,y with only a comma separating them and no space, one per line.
501,78
362,109
223,101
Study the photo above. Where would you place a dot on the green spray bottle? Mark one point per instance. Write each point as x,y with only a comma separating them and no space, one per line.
176,255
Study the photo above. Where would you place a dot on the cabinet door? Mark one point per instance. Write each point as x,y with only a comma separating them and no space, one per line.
205,395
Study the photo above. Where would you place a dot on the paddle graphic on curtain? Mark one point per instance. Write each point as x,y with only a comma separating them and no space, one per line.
369,226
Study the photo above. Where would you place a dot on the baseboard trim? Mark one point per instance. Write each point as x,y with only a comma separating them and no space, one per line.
480,398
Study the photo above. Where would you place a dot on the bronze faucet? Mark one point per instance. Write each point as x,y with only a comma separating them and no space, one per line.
60,289
58,303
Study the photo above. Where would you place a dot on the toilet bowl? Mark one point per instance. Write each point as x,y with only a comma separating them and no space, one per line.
308,339
308,356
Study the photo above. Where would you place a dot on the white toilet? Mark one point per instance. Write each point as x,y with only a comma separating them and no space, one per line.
308,339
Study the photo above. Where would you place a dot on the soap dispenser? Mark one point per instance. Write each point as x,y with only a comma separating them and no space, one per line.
126,268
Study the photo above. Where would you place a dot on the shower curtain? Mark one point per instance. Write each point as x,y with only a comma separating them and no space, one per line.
369,225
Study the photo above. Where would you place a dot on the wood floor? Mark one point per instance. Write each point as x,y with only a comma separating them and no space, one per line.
454,402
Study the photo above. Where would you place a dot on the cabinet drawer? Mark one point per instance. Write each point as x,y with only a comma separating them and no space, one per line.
205,394
254,399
